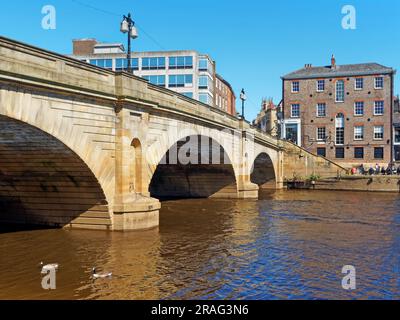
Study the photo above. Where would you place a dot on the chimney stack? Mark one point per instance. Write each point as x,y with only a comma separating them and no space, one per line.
333,62
83,47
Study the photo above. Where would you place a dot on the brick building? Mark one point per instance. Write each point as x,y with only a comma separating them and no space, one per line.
341,112
225,98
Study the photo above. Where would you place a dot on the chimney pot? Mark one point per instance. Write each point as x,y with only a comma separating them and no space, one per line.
333,61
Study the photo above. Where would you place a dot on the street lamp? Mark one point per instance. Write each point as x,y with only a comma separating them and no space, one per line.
128,26
243,98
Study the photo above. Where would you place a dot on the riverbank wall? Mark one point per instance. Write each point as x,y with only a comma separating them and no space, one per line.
352,183
301,165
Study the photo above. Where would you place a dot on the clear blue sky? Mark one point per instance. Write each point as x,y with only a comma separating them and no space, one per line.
254,42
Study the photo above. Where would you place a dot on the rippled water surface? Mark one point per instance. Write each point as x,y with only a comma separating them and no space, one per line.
289,245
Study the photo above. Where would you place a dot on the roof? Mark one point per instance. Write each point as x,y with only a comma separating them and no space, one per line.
108,45
362,69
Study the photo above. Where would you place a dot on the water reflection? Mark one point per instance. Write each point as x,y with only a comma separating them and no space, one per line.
287,245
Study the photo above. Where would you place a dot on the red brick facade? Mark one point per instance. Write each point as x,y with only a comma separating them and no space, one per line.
225,98
376,149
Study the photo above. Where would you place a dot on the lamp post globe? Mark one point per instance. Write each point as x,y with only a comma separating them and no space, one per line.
124,26
128,26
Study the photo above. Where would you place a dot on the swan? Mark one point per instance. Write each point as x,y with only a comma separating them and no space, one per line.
101,275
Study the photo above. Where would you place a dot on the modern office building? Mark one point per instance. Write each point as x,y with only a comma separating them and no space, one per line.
341,112
187,72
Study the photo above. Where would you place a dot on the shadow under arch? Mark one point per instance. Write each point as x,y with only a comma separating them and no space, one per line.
263,172
43,182
206,171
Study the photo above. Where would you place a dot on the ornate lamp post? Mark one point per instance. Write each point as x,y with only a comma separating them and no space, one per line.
243,98
128,26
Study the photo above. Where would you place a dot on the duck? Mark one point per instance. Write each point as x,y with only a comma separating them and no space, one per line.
101,275
51,266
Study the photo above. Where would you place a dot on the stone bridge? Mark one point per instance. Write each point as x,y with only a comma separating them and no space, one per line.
85,147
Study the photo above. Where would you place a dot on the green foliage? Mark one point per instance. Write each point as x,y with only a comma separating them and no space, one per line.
314,177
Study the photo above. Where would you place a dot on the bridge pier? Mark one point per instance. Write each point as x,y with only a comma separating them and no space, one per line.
246,189
137,213
133,209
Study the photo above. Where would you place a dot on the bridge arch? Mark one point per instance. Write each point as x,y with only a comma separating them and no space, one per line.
263,171
196,166
43,182
53,118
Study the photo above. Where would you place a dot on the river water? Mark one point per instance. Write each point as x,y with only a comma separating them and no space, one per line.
288,245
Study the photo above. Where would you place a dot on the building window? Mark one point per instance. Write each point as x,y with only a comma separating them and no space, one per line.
204,82
379,153
181,62
378,132
205,98
359,153
203,65
397,135
321,85
295,86
379,108
321,134
122,64
321,110
359,133
339,153
321,152
156,80
180,81
379,83
340,91
154,63
188,94
102,63
359,84
359,108
292,133
295,111
340,129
